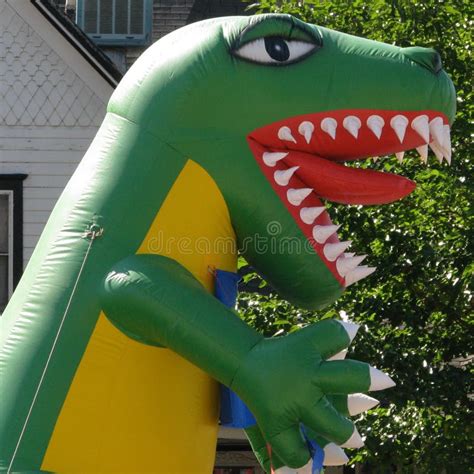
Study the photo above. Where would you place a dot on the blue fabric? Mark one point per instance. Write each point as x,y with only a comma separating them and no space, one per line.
234,412
226,287
316,451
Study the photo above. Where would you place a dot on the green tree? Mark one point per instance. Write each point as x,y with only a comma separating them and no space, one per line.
416,310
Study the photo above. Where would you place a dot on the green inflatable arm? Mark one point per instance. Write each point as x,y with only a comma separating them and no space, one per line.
284,381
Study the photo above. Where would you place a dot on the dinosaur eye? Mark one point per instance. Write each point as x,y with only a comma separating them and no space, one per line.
275,50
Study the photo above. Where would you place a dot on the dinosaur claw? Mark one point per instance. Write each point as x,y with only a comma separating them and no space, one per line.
350,328
355,441
359,403
379,380
334,455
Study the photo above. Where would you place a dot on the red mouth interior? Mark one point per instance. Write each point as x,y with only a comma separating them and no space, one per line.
300,155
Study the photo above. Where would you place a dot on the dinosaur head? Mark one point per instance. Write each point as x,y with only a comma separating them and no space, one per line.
272,108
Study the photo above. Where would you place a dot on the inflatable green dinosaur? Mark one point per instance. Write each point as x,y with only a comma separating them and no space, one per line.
225,134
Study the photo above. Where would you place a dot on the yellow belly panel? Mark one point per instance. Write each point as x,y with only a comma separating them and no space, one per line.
134,408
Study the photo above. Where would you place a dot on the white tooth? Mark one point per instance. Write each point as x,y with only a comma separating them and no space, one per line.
345,264
329,126
423,151
350,328
339,356
332,251
297,196
358,273
447,143
285,134
376,124
271,158
321,233
358,403
310,214
399,124
437,151
306,129
376,158
400,156
421,126
334,455
282,177
379,380
349,254
352,125
437,131
355,441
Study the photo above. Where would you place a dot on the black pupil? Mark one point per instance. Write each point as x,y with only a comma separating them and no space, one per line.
277,48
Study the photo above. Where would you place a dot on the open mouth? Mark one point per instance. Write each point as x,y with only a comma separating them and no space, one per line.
300,155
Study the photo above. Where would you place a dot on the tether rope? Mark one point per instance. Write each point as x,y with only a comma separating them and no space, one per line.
92,234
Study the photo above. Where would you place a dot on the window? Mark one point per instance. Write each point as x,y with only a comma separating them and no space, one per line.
11,234
6,247
116,22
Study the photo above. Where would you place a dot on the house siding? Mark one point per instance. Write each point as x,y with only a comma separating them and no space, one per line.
48,117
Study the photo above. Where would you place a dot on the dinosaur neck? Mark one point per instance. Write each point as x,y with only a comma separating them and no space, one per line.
193,226
135,189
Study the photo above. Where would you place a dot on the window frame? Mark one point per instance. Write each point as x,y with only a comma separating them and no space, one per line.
12,186
10,240
114,39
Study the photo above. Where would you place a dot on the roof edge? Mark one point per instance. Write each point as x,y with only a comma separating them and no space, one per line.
80,41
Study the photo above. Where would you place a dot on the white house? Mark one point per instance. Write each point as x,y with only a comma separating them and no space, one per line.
54,87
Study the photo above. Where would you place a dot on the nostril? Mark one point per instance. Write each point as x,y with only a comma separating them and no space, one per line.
437,63
426,57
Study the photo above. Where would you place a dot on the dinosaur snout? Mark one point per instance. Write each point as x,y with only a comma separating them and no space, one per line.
426,57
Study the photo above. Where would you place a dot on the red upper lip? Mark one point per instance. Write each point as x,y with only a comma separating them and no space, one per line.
300,155
345,146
